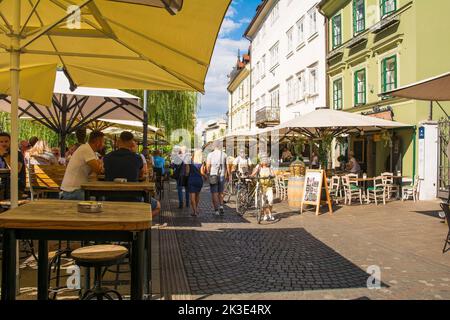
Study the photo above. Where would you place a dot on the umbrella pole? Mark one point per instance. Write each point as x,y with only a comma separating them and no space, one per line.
145,126
14,84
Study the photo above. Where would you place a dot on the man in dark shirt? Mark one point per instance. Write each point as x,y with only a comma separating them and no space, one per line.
123,162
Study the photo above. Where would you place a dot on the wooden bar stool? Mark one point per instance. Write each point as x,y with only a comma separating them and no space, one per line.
97,257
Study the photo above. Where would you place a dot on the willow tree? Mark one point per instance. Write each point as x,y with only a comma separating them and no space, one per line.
171,110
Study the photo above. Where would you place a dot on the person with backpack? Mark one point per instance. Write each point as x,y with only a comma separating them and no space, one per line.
196,173
180,174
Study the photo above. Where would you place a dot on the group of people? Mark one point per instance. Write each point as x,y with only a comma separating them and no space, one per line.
83,161
192,171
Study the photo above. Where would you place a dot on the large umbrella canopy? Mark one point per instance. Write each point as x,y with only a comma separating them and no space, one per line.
100,43
82,106
432,89
326,121
132,125
111,44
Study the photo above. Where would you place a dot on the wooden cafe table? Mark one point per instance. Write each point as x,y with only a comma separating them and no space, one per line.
46,220
102,188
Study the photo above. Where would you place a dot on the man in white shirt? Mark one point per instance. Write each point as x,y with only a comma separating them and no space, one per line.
217,169
83,162
242,164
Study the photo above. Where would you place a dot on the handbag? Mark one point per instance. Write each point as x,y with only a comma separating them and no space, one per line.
214,179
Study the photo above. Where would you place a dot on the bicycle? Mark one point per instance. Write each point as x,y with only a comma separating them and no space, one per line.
251,193
230,189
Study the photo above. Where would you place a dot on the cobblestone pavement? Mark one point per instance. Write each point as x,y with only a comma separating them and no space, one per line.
314,257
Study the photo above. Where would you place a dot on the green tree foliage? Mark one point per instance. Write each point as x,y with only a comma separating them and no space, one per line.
171,109
28,129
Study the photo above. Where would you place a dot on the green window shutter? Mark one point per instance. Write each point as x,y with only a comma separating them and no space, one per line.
383,75
355,88
354,17
364,87
395,72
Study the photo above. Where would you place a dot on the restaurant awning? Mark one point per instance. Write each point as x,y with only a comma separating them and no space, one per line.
432,89
325,121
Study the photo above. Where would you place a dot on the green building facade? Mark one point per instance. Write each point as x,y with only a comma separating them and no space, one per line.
378,45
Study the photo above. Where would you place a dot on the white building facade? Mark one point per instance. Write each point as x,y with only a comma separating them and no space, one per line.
288,65
214,130
239,97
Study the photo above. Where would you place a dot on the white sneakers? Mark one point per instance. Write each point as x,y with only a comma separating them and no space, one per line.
268,218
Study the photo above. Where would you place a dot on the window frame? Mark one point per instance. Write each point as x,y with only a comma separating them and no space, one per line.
355,87
290,40
384,70
301,22
355,21
383,11
333,34
341,97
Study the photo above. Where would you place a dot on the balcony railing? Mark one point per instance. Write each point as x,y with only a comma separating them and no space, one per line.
267,117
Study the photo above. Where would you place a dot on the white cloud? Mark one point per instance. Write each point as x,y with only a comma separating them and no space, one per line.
215,100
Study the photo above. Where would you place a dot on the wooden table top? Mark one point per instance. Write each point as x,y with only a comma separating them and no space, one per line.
116,186
5,171
64,215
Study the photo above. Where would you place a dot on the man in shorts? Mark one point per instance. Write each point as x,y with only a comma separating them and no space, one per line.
217,170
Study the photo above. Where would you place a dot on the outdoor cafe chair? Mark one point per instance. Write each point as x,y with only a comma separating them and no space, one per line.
377,191
445,207
335,188
411,190
391,187
351,190
280,188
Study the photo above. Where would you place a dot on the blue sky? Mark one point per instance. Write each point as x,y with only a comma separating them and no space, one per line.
214,102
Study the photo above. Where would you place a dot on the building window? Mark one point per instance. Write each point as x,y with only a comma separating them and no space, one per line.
301,86
241,90
301,31
275,14
275,98
290,90
312,14
274,56
359,16
263,100
313,81
389,73
337,94
387,7
263,66
290,40
258,71
336,23
360,87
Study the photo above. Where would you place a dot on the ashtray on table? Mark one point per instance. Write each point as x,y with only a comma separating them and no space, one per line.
90,207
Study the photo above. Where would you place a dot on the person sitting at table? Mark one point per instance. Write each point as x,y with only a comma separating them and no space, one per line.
124,162
286,156
5,160
40,154
353,165
83,162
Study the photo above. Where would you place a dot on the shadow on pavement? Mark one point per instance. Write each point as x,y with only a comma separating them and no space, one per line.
232,261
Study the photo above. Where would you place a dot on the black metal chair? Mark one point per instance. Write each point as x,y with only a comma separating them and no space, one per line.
98,257
159,182
446,208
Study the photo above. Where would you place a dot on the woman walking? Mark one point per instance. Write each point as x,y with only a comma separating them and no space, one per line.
196,174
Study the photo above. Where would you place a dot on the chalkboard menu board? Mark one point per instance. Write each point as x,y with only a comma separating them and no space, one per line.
314,187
